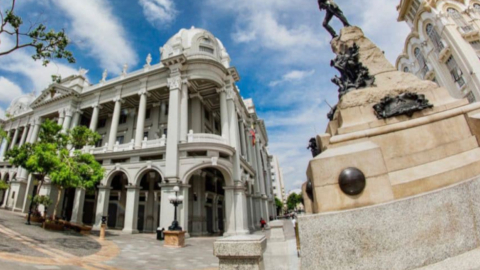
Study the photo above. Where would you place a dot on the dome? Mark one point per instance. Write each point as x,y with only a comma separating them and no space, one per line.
196,43
20,104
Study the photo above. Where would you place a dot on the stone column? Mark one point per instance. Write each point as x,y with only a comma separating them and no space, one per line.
242,140
94,120
14,140
103,199
77,212
251,213
75,119
3,149
184,112
142,110
131,210
24,136
183,209
30,131
173,129
167,209
241,210
230,222
249,147
114,126
224,114
61,116
67,120
163,111
196,113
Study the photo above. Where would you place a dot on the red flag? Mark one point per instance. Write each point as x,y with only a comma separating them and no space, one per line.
254,136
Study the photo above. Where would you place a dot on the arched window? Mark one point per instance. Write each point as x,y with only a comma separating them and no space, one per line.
422,62
405,69
457,74
459,20
434,37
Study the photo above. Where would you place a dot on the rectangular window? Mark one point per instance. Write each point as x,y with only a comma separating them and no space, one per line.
123,119
145,134
102,123
207,114
206,49
99,143
120,139
147,114
457,74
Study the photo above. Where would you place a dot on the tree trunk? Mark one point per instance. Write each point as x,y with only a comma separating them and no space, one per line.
59,196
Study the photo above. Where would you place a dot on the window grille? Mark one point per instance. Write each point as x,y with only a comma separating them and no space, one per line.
206,49
471,97
421,61
435,38
456,73
459,20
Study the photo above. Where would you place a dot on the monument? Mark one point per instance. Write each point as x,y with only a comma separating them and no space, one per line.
396,184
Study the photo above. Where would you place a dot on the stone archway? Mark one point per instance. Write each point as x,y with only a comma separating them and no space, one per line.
206,203
117,200
149,201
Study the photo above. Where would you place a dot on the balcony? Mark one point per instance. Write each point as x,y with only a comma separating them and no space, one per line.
205,138
154,143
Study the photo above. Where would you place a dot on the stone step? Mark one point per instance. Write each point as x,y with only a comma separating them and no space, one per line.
466,261
436,174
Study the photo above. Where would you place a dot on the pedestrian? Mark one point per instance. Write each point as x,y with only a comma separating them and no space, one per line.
262,224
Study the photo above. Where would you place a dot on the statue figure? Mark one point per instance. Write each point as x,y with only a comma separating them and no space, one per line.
149,59
124,71
104,75
353,75
331,9
312,145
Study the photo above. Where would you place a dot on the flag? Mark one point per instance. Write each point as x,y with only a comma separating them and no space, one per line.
254,136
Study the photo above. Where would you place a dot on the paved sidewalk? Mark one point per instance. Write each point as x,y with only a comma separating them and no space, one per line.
24,247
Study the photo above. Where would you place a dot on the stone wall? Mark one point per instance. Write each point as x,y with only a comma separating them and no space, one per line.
404,234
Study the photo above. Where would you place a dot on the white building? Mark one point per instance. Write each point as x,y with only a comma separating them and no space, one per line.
277,180
444,44
180,122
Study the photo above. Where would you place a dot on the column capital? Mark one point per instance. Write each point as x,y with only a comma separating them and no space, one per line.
144,92
97,105
69,112
119,99
174,83
186,81
61,113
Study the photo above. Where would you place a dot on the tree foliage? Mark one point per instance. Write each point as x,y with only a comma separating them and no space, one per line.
4,185
278,203
48,45
55,156
293,200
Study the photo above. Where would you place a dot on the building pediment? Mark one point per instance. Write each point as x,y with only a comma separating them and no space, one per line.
53,93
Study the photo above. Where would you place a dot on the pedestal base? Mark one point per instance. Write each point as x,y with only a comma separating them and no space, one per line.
174,239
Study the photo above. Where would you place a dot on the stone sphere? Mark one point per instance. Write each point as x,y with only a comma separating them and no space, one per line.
309,189
352,181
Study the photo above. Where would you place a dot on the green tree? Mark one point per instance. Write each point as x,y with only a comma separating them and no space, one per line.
293,200
48,45
279,205
55,156
4,185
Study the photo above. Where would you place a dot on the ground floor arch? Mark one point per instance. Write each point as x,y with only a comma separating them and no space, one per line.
117,200
149,201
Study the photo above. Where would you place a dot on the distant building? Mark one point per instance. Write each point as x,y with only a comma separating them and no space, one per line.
277,180
444,44
180,122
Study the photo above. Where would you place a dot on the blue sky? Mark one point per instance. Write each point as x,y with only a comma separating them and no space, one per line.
279,48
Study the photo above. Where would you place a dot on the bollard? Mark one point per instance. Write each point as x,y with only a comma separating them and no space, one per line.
102,231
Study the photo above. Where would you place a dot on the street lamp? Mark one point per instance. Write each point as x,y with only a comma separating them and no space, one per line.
176,201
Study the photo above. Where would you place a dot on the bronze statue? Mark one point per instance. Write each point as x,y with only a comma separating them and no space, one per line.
312,145
332,9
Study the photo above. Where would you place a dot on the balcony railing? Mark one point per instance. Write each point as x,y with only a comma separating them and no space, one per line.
206,138
154,143
124,147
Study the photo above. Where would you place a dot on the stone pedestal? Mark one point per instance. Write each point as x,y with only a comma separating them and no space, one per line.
276,231
242,252
174,239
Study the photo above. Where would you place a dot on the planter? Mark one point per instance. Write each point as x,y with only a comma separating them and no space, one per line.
52,226
36,219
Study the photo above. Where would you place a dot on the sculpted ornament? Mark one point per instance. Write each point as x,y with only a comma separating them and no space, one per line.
174,83
353,75
403,104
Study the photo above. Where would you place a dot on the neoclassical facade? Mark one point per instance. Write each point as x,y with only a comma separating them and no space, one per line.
180,122
444,44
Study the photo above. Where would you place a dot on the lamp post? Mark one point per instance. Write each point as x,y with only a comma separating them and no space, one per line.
176,201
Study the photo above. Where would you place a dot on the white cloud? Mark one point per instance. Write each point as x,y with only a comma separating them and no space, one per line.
293,75
159,12
8,90
21,62
96,30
